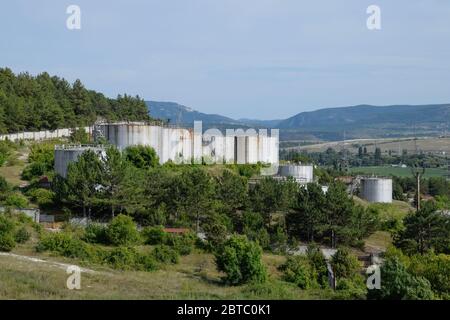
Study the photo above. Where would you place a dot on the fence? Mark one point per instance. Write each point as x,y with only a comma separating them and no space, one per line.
40,135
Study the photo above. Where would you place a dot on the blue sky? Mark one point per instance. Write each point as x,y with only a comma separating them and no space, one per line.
263,59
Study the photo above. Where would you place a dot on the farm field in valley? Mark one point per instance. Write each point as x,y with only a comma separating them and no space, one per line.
397,171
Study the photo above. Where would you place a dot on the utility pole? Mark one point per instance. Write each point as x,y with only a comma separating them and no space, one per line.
417,173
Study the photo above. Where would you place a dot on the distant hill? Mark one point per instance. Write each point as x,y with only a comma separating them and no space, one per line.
367,115
177,113
366,121
362,121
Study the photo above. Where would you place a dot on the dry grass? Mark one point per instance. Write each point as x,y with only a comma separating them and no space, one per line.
12,171
195,277
378,241
12,174
433,144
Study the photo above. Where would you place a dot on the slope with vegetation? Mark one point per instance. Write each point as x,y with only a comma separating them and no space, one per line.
44,102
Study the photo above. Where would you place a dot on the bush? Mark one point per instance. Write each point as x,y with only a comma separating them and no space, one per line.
42,197
183,243
122,231
147,262
240,259
398,284
344,264
7,242
351,288
122,258
165,254
319,265
4,188
95,233
63,243
17,200
434,268
154,235
297,269
22,235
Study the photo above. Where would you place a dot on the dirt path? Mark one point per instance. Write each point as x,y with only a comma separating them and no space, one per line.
55,264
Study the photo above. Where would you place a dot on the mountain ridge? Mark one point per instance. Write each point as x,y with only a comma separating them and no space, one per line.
359,121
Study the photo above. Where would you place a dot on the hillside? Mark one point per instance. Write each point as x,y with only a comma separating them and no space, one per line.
177,113
367,121
44,102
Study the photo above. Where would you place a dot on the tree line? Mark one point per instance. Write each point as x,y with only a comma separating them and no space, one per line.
218,200
44,102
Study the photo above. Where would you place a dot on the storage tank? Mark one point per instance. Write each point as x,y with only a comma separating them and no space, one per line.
169,143
301,173
124,134
67,154
240,149
376,189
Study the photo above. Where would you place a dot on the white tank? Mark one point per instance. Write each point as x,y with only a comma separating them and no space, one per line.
376,190
229,149
241,150
301,173
169,143
182,145
67,154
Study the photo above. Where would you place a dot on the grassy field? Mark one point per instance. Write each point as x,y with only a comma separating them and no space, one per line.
397,171
396,145
396,210
12,170
195,277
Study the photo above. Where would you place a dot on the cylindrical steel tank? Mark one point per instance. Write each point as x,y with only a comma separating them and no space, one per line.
302,173
376,189
244,146
67,154
124,134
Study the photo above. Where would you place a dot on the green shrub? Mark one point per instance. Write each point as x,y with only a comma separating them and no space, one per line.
34,170
398,284
298,270
434,268
7,242
147,262
95,233
240,259
22,235
4,188
16,200
183,243
319,265
6,224
42,197
24,219
64,244
7,227
123,258
154,235
122,231
351,288
344,264
165,254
